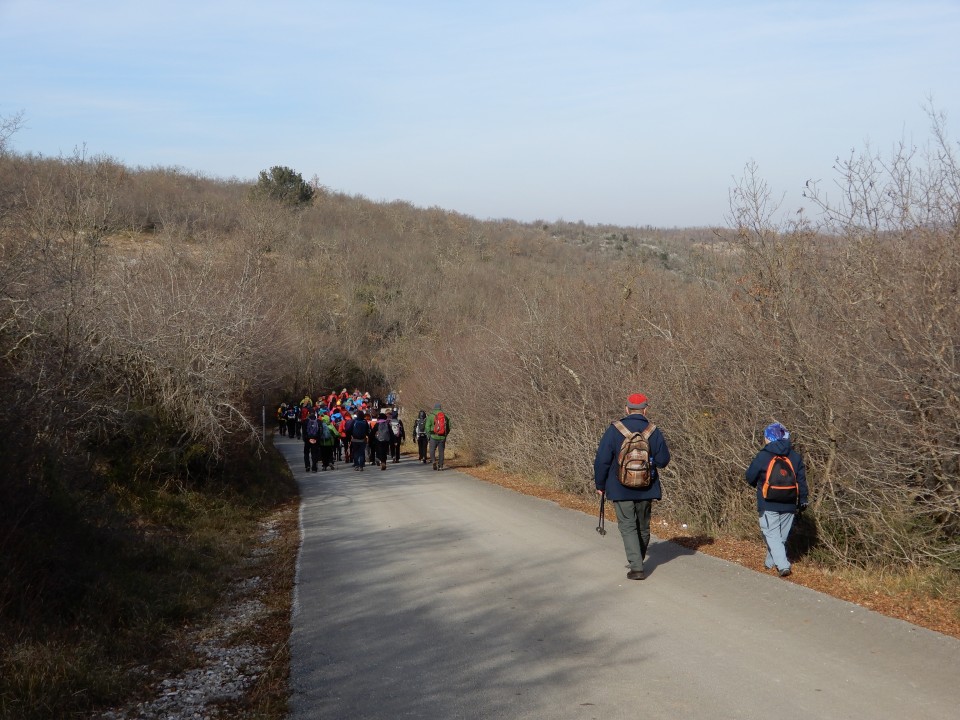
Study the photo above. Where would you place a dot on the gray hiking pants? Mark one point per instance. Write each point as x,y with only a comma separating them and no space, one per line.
434,446
633,521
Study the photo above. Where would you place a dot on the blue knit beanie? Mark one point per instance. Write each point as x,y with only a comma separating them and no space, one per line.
775,431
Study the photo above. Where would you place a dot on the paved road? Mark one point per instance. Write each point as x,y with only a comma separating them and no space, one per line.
435,595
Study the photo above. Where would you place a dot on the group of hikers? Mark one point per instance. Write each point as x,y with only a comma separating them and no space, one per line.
355,428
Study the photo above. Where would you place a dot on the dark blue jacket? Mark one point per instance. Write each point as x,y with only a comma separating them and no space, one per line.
758,471
605,465
359,431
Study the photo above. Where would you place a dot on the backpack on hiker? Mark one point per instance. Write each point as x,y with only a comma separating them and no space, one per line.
780,482
440,424
420,427
325,432
312,429
359,429
383,431
395,428
633,461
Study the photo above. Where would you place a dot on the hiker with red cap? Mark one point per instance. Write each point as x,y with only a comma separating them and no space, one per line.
631,452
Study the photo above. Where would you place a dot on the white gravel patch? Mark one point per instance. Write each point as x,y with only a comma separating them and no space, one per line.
228,670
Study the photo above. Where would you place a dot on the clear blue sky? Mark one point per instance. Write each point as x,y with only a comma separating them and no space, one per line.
630,113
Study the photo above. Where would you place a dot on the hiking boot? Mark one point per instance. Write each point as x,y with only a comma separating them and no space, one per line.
435,466
383,466
784,573
635,575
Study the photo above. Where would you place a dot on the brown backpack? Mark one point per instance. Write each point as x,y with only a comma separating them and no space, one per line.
633,460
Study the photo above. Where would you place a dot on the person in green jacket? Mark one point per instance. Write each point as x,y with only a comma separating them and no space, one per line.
328,438
438,427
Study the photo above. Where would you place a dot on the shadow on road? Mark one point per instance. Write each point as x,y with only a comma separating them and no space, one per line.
666,549
425,617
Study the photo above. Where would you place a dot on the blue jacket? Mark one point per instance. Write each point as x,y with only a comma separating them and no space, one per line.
359,430
605,465
758,471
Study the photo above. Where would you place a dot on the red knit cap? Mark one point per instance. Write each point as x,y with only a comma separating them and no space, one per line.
637,401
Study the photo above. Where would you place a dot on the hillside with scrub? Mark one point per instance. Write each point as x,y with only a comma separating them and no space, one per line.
147,315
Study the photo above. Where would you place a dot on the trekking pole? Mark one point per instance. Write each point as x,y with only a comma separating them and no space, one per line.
600,528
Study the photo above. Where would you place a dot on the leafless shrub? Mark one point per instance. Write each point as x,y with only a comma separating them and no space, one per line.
9,126
186,336
845,330
843,327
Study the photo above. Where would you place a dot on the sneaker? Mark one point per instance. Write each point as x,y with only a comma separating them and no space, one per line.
635,575
784,573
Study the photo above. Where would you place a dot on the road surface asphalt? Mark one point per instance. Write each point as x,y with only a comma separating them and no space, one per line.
425,594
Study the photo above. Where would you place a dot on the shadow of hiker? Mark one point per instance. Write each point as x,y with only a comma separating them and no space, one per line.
804,535
692,542
666,549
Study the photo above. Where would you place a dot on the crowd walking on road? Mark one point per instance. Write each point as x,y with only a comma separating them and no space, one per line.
355,429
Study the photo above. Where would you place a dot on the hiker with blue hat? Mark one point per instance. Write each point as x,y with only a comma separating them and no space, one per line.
780,479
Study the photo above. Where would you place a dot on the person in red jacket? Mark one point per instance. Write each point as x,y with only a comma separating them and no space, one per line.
342,449
304,413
